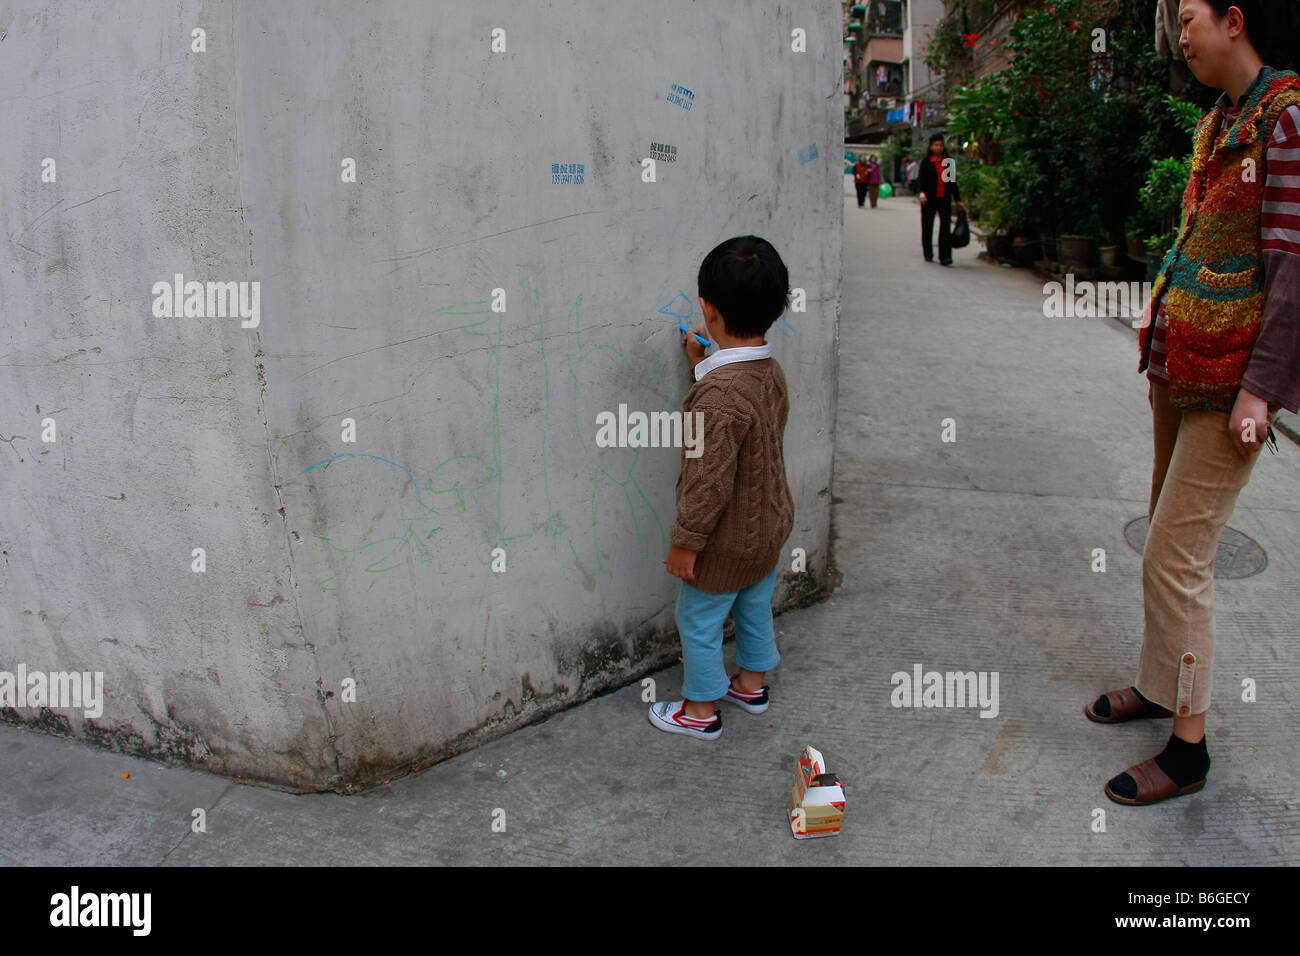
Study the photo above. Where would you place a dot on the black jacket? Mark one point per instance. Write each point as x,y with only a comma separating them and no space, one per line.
928,182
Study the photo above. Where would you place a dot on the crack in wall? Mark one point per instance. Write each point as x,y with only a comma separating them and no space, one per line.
238,126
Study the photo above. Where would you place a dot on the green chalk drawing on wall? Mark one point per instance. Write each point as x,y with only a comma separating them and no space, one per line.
455,487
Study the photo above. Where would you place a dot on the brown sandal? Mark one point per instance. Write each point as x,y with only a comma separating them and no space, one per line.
1124,705
1153,785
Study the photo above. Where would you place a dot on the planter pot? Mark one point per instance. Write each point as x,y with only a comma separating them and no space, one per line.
1076,251
1155,258
1026,252
1106,256
999,246
1051,246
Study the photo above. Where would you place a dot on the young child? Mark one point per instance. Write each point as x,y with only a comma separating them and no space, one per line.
734,509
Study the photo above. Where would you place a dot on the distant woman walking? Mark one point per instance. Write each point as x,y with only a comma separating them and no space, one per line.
937,181
873,180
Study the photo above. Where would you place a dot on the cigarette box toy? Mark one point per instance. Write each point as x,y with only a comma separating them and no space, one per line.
816,798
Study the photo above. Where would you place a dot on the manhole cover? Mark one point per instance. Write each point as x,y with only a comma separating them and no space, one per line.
1237,556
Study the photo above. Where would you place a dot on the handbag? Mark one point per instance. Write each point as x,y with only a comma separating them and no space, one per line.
960,232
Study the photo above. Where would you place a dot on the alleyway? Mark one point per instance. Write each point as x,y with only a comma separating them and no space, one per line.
973,555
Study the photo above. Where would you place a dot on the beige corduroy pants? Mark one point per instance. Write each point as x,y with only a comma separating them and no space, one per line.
1195,481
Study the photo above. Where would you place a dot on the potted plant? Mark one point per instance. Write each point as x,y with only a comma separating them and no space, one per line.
1160,197
1027,250
1106,250
1137,228
1019,182
1049,242
1077,247
979,189
1002,222
1076,250
1157,248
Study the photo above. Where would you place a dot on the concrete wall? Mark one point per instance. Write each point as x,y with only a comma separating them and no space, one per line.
370,561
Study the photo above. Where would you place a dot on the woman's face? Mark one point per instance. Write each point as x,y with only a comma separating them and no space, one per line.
1206,39
936,148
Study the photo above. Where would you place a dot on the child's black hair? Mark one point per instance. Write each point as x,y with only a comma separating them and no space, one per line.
1273,28
745,280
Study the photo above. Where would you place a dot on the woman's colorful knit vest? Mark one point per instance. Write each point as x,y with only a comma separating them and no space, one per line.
1215,270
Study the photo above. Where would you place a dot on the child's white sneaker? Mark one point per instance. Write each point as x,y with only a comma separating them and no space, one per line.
671,717
755,702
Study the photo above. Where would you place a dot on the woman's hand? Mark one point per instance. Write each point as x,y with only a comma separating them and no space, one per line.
681,562
1248,424
961,206
922,198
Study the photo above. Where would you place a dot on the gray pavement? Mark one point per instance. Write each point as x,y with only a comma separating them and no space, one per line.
971,555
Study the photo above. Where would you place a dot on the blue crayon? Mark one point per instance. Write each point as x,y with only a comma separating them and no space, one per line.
699,338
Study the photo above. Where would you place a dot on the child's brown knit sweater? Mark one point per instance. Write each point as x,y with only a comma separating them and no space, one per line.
733,503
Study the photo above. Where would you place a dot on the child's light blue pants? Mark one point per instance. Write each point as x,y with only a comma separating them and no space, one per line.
699,621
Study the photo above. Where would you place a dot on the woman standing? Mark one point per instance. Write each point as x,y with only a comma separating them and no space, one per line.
860,171
873,180
1222,355
937,181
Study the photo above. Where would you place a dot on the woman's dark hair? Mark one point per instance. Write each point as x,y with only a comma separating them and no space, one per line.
745,280
1272,26
936,138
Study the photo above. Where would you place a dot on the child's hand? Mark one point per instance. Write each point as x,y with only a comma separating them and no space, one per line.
681,561
694,350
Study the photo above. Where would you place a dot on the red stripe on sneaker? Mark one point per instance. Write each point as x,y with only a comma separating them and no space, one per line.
686,719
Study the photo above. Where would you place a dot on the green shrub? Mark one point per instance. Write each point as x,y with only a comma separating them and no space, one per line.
1161,195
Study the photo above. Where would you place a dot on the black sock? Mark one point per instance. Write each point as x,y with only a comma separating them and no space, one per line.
1102,706
1184,763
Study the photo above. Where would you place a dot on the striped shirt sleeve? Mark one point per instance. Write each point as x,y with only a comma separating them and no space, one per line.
1274,370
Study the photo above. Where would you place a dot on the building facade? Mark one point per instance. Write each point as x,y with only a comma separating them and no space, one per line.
889,87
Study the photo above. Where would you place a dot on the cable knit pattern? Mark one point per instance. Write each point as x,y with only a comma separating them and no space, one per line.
1215,271
733,503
